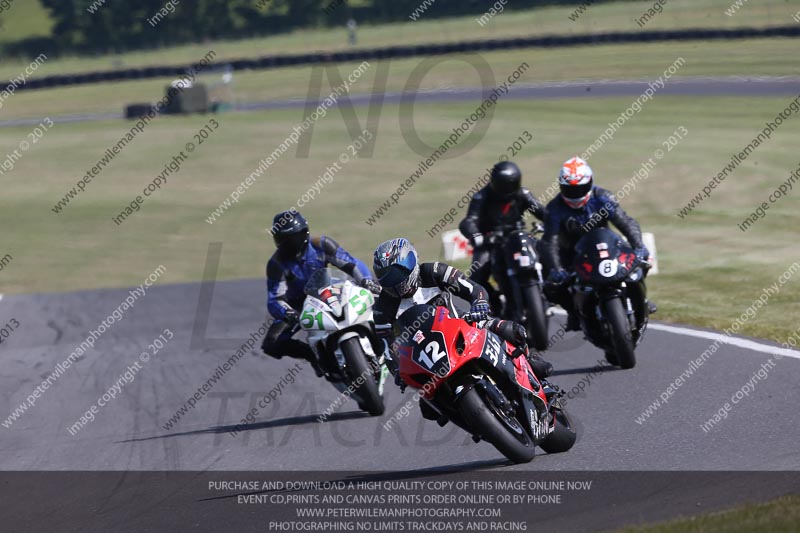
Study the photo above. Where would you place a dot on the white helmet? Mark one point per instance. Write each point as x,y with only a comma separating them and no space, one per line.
576,182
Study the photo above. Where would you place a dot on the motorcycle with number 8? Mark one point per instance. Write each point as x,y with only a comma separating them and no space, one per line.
610,295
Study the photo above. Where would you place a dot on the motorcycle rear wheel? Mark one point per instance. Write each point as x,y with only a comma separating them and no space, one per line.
515,445
359,367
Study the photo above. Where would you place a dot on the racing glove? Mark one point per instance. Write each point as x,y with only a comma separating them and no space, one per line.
508,330
642,254
480,310
520,334
477,240
371,285
291,317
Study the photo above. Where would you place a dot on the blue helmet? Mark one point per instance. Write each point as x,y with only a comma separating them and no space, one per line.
396,265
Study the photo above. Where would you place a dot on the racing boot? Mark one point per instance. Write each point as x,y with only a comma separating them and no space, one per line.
559,296
573,321
304,351
516,334
295,349
392,366
540,367
312,360
428,412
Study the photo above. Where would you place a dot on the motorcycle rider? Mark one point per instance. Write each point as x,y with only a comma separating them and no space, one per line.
580,207
402,276
500,204
297,257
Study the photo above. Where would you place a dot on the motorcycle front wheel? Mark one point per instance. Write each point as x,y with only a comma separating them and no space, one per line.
492,425
621,337
360,371
537,317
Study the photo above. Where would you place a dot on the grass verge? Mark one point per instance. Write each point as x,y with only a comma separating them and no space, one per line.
758,57
779,516
711,271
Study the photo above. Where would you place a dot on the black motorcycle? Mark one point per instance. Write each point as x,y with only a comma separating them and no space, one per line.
517,270
610,294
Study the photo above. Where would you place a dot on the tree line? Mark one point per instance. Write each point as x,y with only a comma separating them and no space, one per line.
107,26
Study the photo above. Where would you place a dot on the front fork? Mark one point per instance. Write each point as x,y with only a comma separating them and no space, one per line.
517,304
588,302
378,361
638,312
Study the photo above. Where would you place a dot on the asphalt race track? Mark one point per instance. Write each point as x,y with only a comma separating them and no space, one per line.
128,433
693,86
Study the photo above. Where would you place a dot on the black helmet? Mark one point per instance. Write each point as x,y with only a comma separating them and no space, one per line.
290,231
397,267
506,179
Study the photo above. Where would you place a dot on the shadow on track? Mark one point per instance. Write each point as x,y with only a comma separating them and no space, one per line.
279,422
585,370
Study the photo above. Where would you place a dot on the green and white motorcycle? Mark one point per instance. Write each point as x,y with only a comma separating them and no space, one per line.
337,314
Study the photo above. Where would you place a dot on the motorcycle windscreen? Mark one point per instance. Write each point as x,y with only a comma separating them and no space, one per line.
324,278
520,252
603,257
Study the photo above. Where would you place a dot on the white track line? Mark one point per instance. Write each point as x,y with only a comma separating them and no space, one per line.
724,339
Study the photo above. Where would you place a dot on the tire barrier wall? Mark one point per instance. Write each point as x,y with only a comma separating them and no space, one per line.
271,62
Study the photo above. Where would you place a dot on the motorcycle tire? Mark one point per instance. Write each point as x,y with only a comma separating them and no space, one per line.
620,333
537,317
563,436
359,366
482,419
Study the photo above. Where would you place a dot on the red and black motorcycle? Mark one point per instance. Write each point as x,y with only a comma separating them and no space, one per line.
610,294
468,375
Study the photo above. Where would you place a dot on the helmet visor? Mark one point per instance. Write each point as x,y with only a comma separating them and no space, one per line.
292,244
505,186
396,273
576,192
